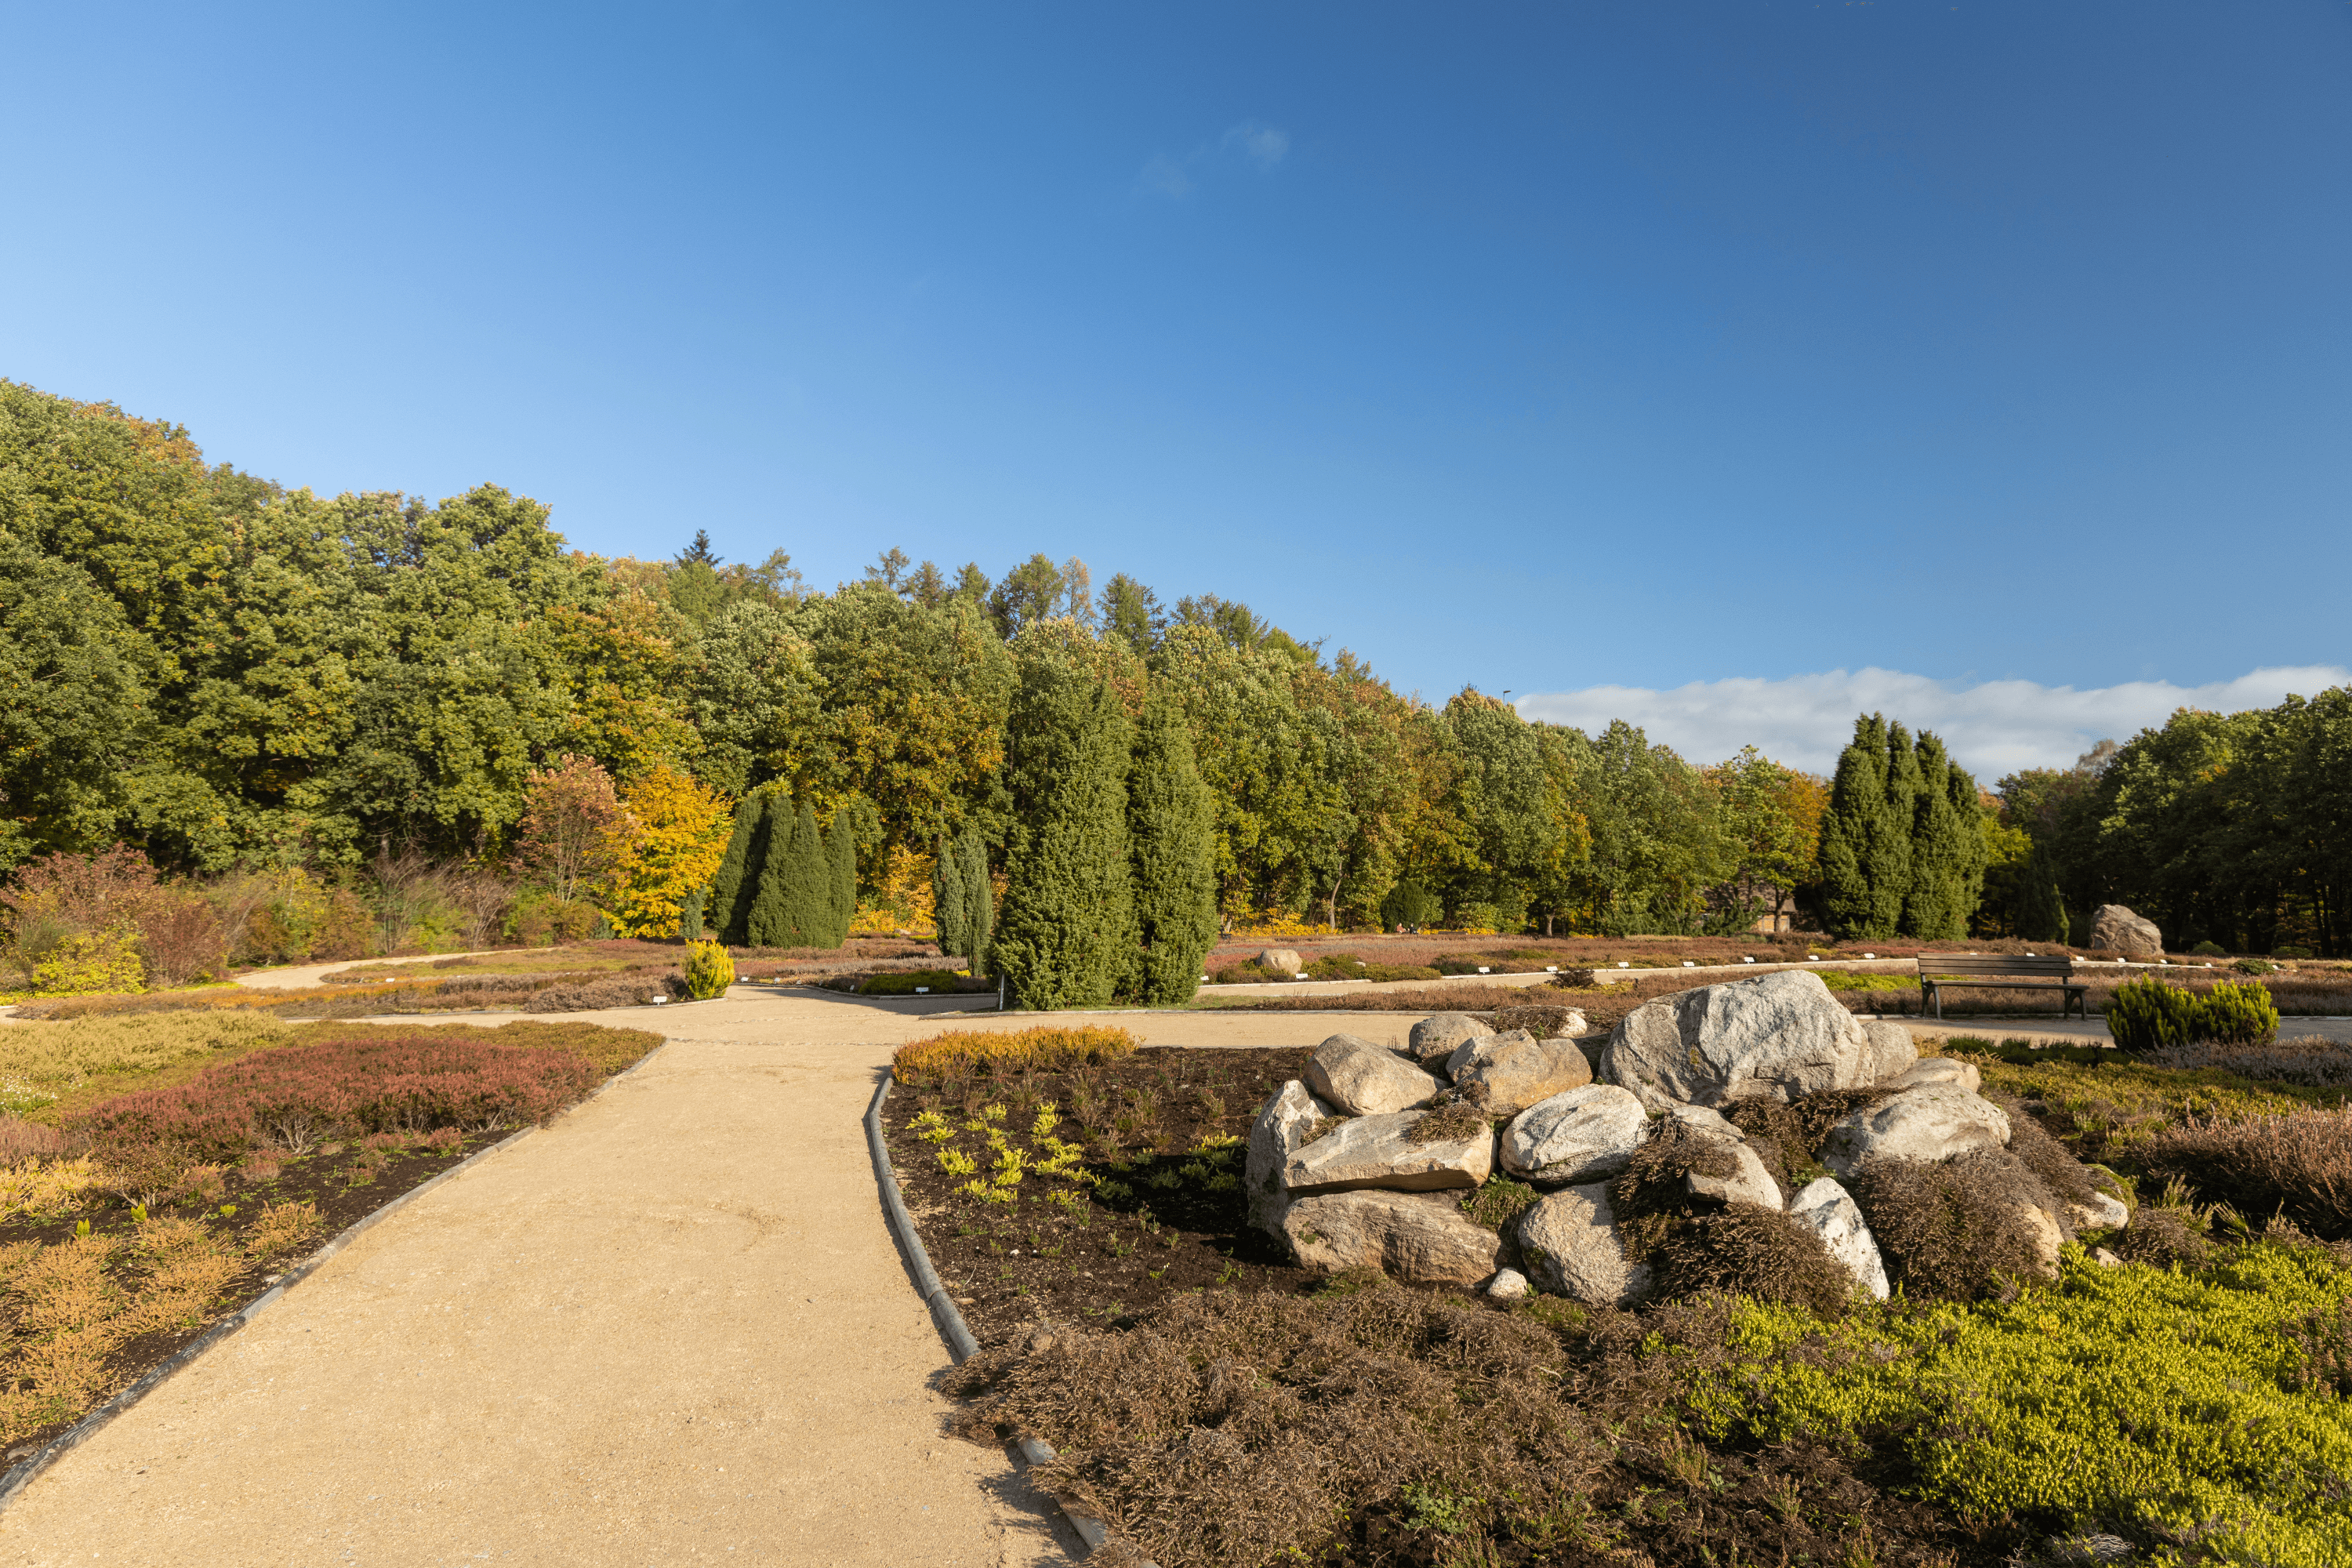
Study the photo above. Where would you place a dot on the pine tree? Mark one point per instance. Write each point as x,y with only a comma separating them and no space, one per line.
841,856
1169,819
978,902
2043,916
1068,925
947,902
769,921
1851,826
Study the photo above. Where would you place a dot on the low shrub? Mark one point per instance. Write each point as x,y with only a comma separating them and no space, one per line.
2208,948
710,970
2321,1063
1694,1246
2254,966
2155,1401
2147,1015
296,1096
1577,980
2237,1013
906,982
1467,964
626,990
2289,953
1952,1231
89,963
38,1190
961,1052
21,1141
2298,1164
39,1063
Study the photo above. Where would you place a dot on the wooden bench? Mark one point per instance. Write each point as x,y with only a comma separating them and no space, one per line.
1972,971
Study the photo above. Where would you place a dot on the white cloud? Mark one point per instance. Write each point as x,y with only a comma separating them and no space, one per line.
1264,145
1993,728
1174,178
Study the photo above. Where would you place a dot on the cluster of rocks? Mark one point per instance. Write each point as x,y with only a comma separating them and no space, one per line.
1365,1160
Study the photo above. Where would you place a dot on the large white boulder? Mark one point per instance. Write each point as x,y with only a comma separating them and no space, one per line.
1939,1121
1440,1033
1374,1151
1365,1079
1750,1183
1781,1036
1282,1126
1572,1249
1418,1238
1503,1074
1282,962
2117,930
1938,1069
1577,1136
1892,1048
1831,1213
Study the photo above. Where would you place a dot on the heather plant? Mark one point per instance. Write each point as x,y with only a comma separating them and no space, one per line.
963,1053
41,1063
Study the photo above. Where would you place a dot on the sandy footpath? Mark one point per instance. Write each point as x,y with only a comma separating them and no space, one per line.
670,1328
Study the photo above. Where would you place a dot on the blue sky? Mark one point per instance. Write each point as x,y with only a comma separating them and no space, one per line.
1584,351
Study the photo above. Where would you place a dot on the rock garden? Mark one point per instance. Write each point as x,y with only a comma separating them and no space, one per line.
1741,1277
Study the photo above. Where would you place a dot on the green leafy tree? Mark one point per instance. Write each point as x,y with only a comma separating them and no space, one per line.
1772,849
1656,839
71,706
1170,820
1067,932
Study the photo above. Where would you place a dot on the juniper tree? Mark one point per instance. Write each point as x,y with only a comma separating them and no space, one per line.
1068,926
841,855
979,901
808,884
768,920
1171,819
947,914
1853,828
726,908
1947,853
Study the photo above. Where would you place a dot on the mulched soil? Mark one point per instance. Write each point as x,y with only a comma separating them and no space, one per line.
347,1184
1161,1218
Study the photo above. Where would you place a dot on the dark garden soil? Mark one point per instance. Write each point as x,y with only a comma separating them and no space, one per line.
346,1181
1164,1135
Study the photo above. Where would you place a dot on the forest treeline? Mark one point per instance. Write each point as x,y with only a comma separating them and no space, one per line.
230,675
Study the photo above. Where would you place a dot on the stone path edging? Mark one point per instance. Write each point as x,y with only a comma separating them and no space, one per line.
952,1326
14,1482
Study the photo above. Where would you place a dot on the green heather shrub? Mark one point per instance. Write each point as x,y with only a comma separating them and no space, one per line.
1409,903
2234,1013
2289,953
2145,1014
905,983
2254,966
2167,1401
2208,950
710,970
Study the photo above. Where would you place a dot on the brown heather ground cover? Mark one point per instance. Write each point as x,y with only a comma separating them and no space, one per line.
176,1165
1220,1407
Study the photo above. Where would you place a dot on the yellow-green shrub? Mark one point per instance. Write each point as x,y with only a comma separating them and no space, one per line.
90,962
710,970
2163,1397
1047,1048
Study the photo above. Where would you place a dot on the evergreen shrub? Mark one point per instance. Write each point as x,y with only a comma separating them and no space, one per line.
2208,950
960,1052
2148,1015
710,970
2237,1013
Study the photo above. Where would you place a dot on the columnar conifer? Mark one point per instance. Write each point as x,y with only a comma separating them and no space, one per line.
808,884
728,908
1068,925
979,901
841,856
1169,820
1851,828
948,913
769,921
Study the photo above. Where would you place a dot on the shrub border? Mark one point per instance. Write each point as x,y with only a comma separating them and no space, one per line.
944,1316
18,1477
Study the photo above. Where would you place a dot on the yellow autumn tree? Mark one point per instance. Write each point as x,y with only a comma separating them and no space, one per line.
675,838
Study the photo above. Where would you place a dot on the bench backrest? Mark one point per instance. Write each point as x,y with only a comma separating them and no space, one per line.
1992,964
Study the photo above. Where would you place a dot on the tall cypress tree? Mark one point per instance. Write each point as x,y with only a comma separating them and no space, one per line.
1851,826
2043,916
979,901
727,909
1947,849
1889,856
841,859
1169,819
768,923
946,900
807,884
1068,926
